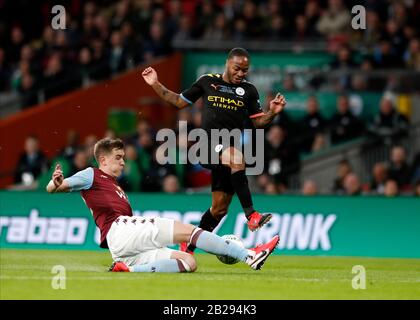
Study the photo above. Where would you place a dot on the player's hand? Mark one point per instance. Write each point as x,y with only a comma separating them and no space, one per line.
150,76
278,103
57,176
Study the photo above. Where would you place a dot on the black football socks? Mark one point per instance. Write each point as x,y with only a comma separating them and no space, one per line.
240,184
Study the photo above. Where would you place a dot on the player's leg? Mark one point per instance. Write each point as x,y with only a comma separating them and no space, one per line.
211,218
207,241
221,196
220,202
214,244
222,193
234,159
177,262
157,260
222,190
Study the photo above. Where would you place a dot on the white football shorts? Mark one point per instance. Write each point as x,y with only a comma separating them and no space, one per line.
136,240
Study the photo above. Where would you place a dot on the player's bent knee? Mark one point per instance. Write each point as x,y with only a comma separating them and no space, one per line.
186,261
189,264
193,264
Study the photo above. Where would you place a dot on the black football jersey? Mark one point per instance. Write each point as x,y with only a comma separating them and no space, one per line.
226,105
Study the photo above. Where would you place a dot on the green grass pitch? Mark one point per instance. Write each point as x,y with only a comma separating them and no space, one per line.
26,274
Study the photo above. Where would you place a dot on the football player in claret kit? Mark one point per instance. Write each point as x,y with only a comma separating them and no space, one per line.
228,100
138,244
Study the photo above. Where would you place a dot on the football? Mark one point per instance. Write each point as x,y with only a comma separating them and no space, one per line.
235,239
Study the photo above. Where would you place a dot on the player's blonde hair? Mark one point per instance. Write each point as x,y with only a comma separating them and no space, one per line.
105,146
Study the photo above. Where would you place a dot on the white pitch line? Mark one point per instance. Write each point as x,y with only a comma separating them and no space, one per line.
48,268
22,278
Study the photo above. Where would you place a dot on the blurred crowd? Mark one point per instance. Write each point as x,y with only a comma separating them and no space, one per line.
106,37
286,142
391,178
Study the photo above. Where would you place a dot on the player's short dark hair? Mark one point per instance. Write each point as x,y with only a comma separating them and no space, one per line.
106,145
238,52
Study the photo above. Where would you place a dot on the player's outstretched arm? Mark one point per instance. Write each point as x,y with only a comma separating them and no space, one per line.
276,106
57,183
150,76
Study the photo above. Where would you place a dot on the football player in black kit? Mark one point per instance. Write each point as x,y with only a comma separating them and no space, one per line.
228,99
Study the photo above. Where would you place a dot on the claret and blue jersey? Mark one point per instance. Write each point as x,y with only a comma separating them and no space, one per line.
103,196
